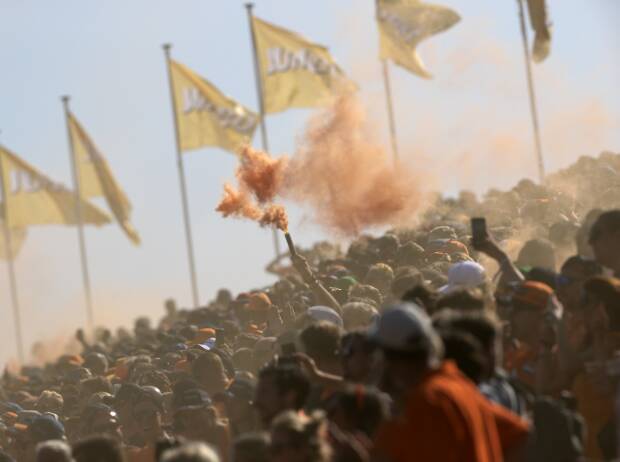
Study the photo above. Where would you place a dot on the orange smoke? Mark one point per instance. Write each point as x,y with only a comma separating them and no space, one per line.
238,204
346,177
261,174
275,215
339,171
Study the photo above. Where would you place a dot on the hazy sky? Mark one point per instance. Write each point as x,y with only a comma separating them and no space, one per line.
469,127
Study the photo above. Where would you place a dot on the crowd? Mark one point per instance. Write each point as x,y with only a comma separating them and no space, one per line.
422,344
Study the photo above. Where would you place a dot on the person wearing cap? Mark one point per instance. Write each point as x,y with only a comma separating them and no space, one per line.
531,357
38,429
442,413
209,371
195,418
240,406
605,240
465,275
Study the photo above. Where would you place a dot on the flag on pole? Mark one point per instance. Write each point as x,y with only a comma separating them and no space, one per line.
96,179
18,236
31,198
542,29
295,73
403,24
207,117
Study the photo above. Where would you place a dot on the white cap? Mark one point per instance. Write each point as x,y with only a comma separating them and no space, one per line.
404,327
465,274
325,313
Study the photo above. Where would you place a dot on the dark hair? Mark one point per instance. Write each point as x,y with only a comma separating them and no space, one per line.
288,377
482,325
608,221
362,405
466,351
590,266
253,446
97,449
321,340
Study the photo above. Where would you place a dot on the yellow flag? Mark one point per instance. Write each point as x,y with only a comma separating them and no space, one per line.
403,24
542,29
18,236
207,117
296,73
96,179
31,198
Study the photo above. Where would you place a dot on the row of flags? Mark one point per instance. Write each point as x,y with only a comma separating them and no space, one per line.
293,72
31,198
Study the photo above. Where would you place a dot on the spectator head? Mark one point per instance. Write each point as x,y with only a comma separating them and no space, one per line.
357,356
410,346
190,452
50,401
357,409
321,341
481,325
98,449
251,447
462,299
602,302
531,302
381,277
209,371
296,437
326,314
281,386
194,415
465,275
358,315
406,278
240,405
97,363
54,451
537,253
99,419
575,271
605,240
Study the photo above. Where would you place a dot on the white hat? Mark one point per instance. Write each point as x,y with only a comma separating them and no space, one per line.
325,313
465,274
404,327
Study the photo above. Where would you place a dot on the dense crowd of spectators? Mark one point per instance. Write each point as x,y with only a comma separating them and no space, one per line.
418,345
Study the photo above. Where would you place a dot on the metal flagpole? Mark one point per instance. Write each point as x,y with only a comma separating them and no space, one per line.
181,168
80,225
390,108
532,94
261,104
11,269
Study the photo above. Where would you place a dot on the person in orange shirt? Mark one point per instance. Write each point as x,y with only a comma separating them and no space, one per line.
442,414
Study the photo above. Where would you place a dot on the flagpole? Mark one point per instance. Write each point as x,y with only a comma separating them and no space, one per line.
12,279
261,104
90,318
390,108
532,93
181,169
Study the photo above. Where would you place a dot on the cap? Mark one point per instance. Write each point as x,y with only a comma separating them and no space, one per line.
241,389
194,398
46,427
402,328
534,295
324,313
465,274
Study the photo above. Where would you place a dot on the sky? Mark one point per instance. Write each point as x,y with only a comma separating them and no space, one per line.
469,127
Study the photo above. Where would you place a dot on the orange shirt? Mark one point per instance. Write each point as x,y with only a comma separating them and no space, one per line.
447,419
